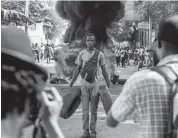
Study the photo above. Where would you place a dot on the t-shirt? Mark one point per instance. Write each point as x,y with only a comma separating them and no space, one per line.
122,53
42,49
118,53
82,58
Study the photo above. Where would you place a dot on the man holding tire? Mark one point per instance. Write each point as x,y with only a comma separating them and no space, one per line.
88,63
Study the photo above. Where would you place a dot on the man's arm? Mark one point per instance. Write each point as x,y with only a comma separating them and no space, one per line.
78,68
75,75
105,75
124,105
53,128
50,112
103,68
110,121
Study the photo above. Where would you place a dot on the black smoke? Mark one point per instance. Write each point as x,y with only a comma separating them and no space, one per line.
89,16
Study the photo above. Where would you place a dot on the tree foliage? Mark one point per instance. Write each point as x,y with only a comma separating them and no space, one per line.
39,11
157,10
36,8
121,31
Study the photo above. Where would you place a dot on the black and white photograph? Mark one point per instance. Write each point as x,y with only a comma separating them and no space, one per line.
89,69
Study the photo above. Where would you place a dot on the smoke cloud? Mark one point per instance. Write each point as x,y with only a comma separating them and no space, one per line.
89,16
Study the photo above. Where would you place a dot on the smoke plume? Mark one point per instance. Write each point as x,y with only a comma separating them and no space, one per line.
89,16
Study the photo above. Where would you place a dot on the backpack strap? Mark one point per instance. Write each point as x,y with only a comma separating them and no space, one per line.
88,72
95,56
172,78
167,72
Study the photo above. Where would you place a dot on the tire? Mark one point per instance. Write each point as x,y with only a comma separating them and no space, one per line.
105,98
121,81
114,79
71,101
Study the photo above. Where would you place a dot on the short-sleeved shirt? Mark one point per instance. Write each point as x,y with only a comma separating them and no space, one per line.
122,53
82,58
147,94
118,53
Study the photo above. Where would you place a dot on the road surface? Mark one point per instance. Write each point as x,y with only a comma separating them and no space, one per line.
72,127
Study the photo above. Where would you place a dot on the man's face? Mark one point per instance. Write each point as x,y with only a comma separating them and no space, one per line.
90,41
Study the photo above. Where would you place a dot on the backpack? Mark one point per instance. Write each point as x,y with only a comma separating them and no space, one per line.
172,78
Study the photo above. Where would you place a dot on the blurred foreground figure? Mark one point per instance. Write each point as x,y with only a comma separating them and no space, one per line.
151,93
23,84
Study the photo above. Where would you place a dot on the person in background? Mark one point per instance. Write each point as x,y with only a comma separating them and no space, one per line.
48,53
22,82
34,50
123,57
42,52
118,57
37,52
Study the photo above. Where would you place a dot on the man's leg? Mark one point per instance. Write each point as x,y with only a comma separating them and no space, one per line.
119,60
85,109
116,61
94,107
47,57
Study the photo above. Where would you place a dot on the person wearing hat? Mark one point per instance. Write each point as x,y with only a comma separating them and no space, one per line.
22,88
147,93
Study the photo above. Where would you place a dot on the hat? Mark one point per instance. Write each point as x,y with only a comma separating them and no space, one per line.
168,30
16,49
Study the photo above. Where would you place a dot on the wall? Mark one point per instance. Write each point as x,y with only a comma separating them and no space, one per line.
36,34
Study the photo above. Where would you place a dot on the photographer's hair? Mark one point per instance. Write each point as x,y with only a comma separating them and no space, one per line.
13,94
168,33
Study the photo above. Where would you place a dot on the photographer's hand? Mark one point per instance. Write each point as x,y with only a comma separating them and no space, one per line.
50,112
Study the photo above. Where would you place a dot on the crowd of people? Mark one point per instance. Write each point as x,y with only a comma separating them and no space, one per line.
147,94
43,52
141,56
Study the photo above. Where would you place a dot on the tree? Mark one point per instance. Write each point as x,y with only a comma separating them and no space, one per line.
120,31
157,10
36,8
39,11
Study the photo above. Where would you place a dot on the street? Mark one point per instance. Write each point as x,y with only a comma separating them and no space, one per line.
59,36
72,127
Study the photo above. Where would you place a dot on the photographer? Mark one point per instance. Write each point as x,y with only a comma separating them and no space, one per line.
23,82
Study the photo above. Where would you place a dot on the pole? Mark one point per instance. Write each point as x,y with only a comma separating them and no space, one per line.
150,31
26,14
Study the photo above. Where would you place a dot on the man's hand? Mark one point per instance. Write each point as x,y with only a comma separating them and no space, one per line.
51,104
108,85
51,107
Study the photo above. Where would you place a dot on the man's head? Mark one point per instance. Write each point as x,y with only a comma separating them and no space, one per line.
167,41
20,80
90,40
